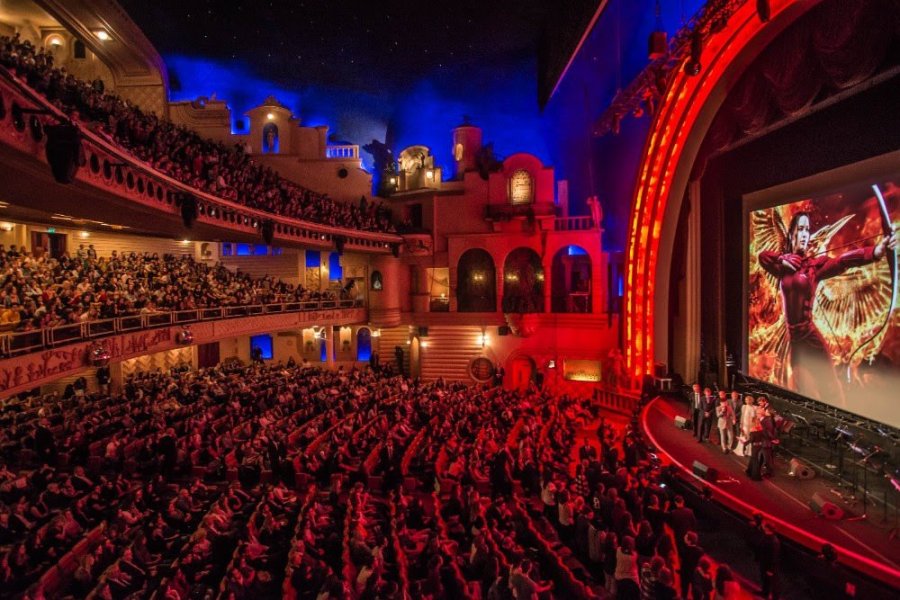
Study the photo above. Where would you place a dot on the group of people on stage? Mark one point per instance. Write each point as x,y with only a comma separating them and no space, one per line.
746,427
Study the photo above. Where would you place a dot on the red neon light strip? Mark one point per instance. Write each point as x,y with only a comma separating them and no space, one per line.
672,126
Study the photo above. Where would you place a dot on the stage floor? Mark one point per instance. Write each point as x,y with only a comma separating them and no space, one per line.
783,498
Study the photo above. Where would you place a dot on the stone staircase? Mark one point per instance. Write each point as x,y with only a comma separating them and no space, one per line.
449,351
390,339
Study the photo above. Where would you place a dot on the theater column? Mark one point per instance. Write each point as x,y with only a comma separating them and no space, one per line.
598,283
384,304
686,331
454,281
548,284
330,335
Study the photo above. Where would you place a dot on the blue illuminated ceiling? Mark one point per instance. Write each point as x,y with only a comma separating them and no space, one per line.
396,70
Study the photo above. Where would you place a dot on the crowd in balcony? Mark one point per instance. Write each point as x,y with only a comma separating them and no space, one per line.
213,167
268,481
41,292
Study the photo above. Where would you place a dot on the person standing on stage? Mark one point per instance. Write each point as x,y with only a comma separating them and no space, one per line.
748,420
736,405
769,439
707,406
695,406
725,423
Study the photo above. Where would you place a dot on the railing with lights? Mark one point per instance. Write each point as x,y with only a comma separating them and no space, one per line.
25,115
24,342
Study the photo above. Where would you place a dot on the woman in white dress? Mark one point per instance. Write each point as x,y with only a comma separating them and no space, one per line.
748,420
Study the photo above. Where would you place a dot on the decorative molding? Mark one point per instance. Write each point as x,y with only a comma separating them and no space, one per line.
29,371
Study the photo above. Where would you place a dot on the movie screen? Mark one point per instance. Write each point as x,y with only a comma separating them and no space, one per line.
823,319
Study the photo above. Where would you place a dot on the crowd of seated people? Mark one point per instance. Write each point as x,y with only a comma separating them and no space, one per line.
213,167
267,481
41,292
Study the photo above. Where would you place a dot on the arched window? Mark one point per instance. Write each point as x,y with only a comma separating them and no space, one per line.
476,288
458,152
376,281
363,344
570,284
523,282
270,139
521,187
78,49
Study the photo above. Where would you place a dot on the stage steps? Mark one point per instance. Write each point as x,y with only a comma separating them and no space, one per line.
449,352
390,339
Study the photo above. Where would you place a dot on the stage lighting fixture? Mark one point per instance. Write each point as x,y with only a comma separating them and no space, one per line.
693,66
764,10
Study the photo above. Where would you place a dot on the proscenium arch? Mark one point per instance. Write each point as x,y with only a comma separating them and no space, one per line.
476,282
679,127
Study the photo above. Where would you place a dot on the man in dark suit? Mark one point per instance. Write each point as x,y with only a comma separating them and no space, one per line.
769,439
695,409
707,408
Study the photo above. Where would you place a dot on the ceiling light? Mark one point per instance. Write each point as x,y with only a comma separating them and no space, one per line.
102,35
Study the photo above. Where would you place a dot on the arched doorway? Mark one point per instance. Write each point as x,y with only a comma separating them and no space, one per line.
476,288
521,372
363,344
523,282
570,283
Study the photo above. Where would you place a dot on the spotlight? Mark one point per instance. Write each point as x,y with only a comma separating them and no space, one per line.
693,66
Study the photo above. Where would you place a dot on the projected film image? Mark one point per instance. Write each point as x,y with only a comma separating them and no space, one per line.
822,298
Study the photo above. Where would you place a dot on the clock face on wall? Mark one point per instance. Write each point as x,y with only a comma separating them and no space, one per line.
521,187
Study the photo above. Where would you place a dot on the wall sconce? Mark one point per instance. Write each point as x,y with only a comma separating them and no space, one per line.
84,235
55,41
429,174
7,227
270,116
393,181
424,344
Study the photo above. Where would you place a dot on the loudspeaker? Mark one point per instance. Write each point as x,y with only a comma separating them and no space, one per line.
339,242
682,423
704,472
504,330
395,250
188,209
267,229
801,470
63,151
826,509
423,332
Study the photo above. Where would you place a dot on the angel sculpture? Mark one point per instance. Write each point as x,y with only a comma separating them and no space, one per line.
831,304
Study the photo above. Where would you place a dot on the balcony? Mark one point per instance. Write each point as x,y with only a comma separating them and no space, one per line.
342,151
25,342
111,180
507,212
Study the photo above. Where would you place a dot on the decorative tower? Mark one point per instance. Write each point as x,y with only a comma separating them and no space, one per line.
466,146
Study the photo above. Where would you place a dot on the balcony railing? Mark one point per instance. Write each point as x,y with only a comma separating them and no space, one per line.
573,224
342,151
114,170
24,342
